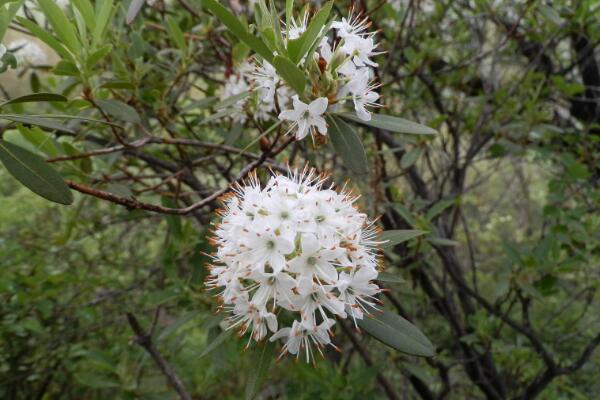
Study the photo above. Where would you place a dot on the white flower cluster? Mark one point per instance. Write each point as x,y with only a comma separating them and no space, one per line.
340,70
294,253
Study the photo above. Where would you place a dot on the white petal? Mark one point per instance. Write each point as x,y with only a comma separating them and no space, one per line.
320,123
318,106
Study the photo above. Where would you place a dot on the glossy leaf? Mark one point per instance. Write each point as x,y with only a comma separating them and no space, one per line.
119,110
46,37
394,237
390,278
238,29
35,97
33,172
392,124
290,73
37,121
310,36
347,145
62,26
396,332
176,34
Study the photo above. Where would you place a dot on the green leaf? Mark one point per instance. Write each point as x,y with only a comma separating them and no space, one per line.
438,208
310,36
396,332
231,100
33,172
103,13
96,381
262,358
46,37
87,12
119,110
215,343
176,34
134,8
394,237
391,278
118,85
61,25
290,73
177,324
442,241
37,121
35,97
98,55
289,8
347,145
40,139
66,68
410,157
234,134
238,29
392,124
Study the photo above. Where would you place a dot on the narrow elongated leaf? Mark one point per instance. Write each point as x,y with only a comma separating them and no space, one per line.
87,12
410,157
103,13
396,332
37,121
238,29
438,208
35,97
347,145
40,139
290,73
391,278
442,241
176,34
215,343
394,237
61,25
46,37
232,100
134,8
33,172
263,357
310,36
392,124
119,110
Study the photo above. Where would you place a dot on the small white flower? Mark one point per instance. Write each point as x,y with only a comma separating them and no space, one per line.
305,116
298,28
236,85
295,249
363,94
361,49
353,25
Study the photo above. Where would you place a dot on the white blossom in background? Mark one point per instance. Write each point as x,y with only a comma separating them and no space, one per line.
293,250
341,76
236,85
27,52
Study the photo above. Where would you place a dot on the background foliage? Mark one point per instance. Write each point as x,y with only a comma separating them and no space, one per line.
505,283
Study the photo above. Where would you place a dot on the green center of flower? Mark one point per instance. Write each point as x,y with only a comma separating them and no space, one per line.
270,244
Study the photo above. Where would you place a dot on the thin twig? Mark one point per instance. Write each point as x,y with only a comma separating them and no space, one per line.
145,341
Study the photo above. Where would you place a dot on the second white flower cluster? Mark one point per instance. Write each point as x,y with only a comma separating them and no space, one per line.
293,254
340,71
